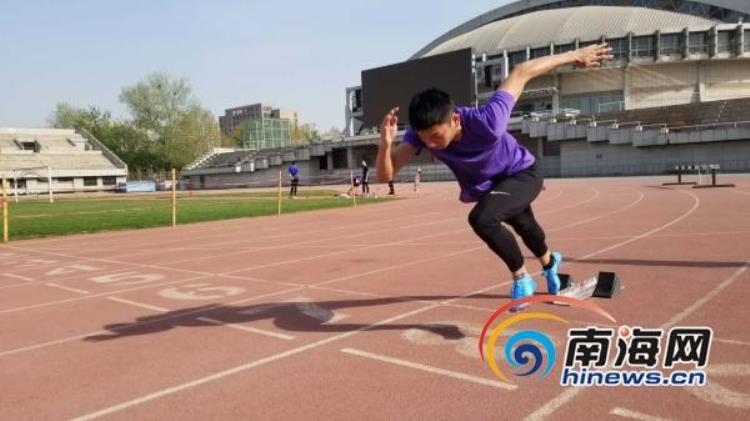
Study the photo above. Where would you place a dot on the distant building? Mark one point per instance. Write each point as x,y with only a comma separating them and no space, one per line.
233,117
266,133
677,90
72,160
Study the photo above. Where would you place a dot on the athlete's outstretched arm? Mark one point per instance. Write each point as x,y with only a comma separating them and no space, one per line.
390,159
590,56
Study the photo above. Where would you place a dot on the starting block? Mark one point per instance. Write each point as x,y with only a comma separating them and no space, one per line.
604,285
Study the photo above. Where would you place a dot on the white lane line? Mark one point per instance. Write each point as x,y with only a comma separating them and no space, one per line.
480,247
206,319
682,235
50,343
23,278
430,369
69,289
243,367
731,342
627,413
246,328
706,298
55,253
557,402
70,300
77,337
60,341
569,394
230,274
360,234
252,364
201,274
137,324
137,304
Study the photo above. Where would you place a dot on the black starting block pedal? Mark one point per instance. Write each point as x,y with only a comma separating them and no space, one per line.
604,285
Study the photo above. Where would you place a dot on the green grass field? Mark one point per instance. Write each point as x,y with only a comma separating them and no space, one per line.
32,219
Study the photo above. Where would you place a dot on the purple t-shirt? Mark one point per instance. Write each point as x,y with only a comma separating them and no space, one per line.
486,150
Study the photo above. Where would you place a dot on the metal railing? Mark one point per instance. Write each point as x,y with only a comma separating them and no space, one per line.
97,145
696,127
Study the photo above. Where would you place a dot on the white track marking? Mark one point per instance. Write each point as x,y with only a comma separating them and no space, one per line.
242,368
252,364
137,304
23,278
51,343
306,306
626,413
568,394
69,289
246,328
430,369
297,288
557,402
131,325
360,234
731,342
706,298
205,319
103,294
715,393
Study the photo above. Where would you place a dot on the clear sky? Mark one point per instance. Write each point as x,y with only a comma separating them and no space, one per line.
290,54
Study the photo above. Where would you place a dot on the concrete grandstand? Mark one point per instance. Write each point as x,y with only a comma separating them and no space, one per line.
672,95
73,161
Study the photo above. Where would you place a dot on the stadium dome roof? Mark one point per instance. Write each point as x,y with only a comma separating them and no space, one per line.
537,23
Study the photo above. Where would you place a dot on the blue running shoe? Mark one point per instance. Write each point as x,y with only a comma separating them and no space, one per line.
522,288
553,281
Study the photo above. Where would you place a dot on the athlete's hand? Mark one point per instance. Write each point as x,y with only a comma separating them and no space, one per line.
389,127
593,55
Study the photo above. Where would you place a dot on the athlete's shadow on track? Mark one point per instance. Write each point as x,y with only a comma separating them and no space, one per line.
299,316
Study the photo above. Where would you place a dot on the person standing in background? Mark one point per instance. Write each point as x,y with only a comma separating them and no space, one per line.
365,179
293,171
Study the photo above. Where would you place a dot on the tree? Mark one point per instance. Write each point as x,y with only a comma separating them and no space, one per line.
128,142
157,101
193,133
166,110
169,129
334,133
235,139
305,134
67,116
133,146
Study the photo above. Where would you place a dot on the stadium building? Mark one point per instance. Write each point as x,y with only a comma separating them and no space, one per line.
676,92
37,161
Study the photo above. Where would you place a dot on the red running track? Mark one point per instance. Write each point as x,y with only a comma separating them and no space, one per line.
368,313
